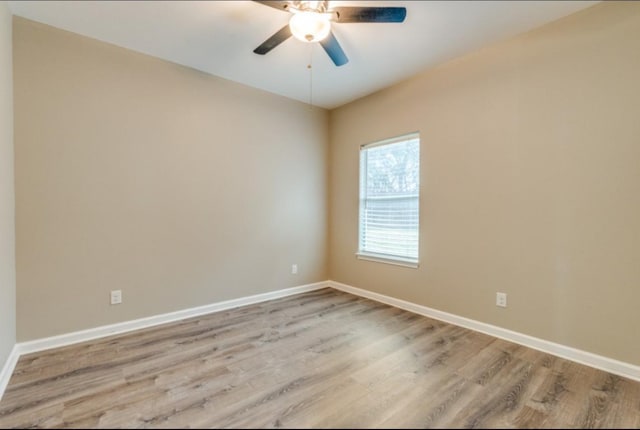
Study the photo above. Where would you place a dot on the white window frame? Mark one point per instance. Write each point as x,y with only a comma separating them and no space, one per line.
364,254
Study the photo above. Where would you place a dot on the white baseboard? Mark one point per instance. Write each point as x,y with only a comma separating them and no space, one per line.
7,369
127,326
626,370
22,348
620,368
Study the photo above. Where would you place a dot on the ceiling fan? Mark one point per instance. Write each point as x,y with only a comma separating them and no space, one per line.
311,22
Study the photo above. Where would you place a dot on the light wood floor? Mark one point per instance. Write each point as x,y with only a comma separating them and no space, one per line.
320,359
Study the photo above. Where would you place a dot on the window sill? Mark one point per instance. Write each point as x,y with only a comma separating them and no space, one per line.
388,260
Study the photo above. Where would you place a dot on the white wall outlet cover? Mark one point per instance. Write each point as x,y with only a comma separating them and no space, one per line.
116,297
501,299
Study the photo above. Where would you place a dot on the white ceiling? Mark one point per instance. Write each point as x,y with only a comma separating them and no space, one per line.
218,37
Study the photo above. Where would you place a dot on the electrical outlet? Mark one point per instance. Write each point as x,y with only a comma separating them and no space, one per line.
116,297
501,300
294,269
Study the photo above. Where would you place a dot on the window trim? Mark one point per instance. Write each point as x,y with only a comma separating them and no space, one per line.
372,256
382,258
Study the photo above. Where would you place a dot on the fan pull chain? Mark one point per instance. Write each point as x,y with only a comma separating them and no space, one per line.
310,67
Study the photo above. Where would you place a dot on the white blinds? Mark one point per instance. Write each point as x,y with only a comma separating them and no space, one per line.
389,199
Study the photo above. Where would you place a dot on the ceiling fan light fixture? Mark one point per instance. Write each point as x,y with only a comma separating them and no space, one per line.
309,26
311,22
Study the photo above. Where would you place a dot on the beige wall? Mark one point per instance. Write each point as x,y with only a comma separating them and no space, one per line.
177,187
7,201
183,189
530,183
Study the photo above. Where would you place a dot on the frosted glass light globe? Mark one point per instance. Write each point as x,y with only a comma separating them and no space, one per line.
310,26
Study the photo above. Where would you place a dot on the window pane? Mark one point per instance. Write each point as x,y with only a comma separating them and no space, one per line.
389,199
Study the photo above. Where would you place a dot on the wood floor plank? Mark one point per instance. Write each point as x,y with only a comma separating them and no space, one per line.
322,359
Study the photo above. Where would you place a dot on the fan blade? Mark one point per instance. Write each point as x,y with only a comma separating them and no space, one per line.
370,14
334,50
283,34
280,5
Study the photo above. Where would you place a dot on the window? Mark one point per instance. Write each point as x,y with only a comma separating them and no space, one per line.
389,200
